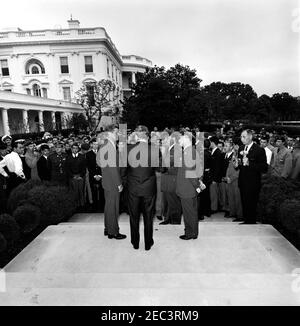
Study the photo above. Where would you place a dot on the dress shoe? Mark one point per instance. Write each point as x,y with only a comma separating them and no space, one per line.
248,223
238,220
135,246
118,236
176,223
184,237
226,214
159,218
105,233
165,222
148,247
201,218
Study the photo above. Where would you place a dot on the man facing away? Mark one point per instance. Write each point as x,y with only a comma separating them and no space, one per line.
107,158
187,188
252,162
139,176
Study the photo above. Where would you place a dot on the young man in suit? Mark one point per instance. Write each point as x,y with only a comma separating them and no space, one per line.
75,171
139,176
216,171
252,162
44,164
95,175
188,187
107,159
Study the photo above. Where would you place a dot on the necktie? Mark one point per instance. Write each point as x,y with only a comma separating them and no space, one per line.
246,148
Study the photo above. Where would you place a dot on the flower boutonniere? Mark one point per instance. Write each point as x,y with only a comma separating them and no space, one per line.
243,153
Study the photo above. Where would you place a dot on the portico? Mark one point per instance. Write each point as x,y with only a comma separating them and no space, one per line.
20,113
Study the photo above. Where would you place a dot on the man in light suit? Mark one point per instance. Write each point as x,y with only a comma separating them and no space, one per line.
107,159
188,187
232,190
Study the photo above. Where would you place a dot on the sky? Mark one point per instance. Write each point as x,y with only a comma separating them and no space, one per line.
248,41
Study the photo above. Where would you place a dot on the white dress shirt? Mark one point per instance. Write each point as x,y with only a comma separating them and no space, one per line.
268,155
14,164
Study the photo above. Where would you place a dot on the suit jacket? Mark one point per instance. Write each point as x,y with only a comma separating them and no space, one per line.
58,167
186,186
168,177
207,166
250,176
141,180
44,168
110,171
93,168
216,170
75,166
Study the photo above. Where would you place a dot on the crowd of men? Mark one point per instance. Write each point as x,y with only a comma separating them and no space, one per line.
234,162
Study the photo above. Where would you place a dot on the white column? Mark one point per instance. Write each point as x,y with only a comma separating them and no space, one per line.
5,121
41,121
133,77
63,120
53,119
25,120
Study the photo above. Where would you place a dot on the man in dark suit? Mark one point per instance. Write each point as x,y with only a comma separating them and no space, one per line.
168,183
75,172
43,164
216,171
188,187
107,159
252,163
140,179
95,175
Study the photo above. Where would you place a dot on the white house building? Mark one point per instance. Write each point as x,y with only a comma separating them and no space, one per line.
53,64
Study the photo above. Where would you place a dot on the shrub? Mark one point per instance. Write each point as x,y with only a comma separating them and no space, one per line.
20,194
290,215
56,203
28,217
274,192
9,228
3,243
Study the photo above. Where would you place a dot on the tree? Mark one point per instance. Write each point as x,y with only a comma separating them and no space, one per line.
77,121
286,106
97,99
162,96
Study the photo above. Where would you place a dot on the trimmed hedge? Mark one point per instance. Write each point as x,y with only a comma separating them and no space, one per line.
279,205
3,243
9,229
56,203
275,190
28,217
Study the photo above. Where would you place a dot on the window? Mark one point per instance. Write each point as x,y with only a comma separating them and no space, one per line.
45,94
4,67
107,67
88,62
36,90
35,70
34,67
67,93
64,67
28,91
90,87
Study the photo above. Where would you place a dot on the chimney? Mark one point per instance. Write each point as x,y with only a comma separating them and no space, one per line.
73,23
